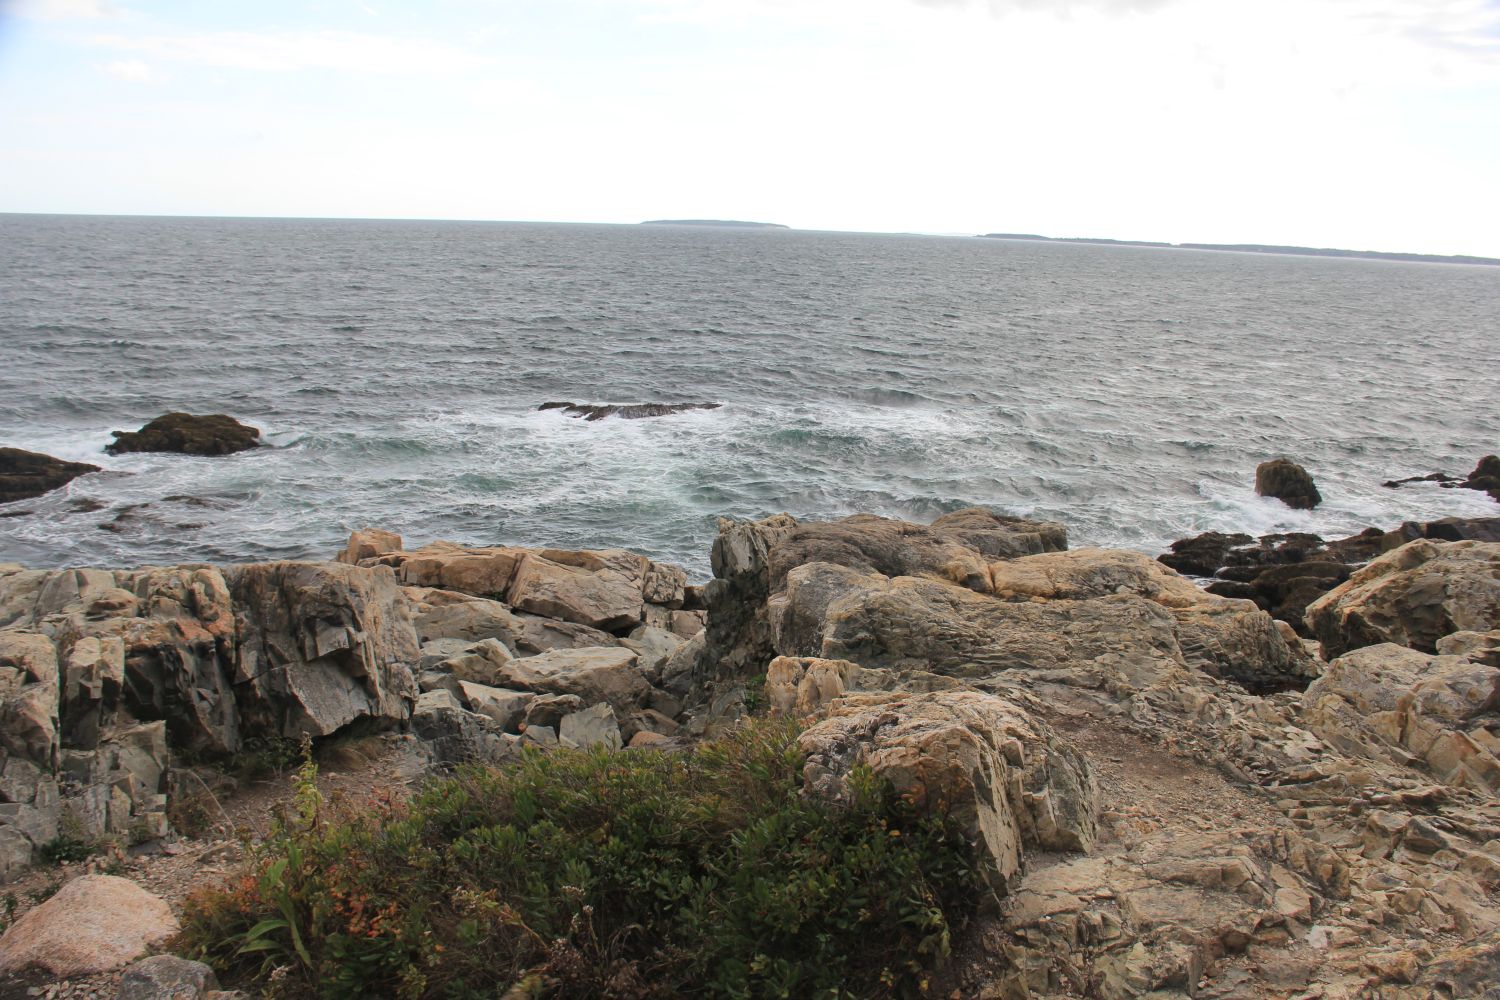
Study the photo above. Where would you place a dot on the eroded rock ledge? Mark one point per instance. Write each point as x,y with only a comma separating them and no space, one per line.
1172,793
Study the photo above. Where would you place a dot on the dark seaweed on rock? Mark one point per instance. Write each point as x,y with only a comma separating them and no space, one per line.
27,474
1485,478
632,411
187,434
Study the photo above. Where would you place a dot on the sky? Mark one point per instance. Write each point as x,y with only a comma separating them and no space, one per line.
1342,123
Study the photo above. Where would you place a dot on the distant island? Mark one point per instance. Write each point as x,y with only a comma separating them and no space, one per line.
721,223
1421,258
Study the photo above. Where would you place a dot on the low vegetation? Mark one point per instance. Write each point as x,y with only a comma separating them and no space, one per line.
589,874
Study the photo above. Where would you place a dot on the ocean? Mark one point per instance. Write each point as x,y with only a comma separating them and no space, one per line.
395,370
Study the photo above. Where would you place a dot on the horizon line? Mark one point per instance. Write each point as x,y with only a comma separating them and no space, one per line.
1287,250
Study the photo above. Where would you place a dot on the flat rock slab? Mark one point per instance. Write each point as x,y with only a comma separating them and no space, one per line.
95,923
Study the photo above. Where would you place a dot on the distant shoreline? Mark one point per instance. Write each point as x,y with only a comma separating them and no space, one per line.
1418,258
716,223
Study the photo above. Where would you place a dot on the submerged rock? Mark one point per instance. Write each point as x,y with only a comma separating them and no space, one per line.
631,411
187,434
27,474
1288,482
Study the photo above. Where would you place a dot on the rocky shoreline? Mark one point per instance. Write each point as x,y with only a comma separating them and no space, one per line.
1284,785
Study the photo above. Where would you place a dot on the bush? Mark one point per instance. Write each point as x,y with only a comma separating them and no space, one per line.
597,874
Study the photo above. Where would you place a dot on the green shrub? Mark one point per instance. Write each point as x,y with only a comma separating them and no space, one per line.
594,874
66,847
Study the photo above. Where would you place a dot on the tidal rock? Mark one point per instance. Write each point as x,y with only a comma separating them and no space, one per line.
1288,482
184,433
27,474
94,924
1446,529
630,411
167,977
1281,573
1412,596
997,771
1485,478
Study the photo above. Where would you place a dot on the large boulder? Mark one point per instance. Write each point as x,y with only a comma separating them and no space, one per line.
187,434
1412,596
909,623
595,675
600,590
608,591
27,474
1485,477
320,645
1288,482
29,698
1393,703
94,924
751,561
369,543
482,572
996,770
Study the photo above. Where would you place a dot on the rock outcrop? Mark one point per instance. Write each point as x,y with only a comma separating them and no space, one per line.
995,769
1284,573
27,474
1412,596
188,434
1168,793
1288,482
610,591
902,597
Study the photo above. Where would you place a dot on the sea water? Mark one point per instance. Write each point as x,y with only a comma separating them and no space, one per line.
395,370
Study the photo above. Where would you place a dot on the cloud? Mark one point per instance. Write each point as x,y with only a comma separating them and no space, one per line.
61,10
1062,7
300,50
1466,26
134,70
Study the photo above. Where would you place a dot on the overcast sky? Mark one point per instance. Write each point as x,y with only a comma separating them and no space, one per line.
1350,123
